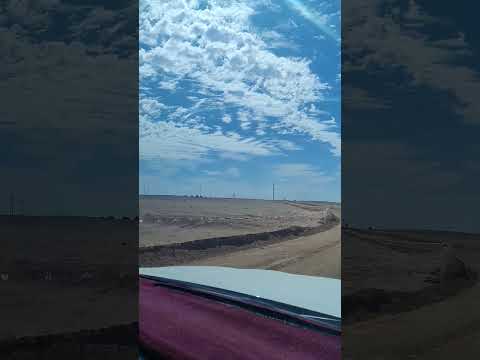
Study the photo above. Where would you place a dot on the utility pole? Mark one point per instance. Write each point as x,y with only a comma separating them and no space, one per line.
273,192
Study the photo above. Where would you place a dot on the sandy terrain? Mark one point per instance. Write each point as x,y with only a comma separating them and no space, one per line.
167,219
318,254
296,237
448,329
421,319
379,260
66,274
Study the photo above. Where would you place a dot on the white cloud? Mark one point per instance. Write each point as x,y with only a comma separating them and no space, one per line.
233,156
168,85
230,172
293,170
277,40
227,119
306,172
167,140
151,107
286,145
60,69
428,62
245,120
215,49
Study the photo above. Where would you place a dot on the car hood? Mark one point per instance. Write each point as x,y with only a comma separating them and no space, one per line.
319,294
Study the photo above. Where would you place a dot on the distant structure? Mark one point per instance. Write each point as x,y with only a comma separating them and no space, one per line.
273,192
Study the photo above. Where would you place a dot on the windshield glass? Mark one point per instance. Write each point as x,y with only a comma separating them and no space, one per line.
240,162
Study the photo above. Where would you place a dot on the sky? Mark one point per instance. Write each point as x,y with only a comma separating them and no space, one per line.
238,95
410,115
72,150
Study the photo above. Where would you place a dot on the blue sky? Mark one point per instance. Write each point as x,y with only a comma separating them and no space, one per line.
236,95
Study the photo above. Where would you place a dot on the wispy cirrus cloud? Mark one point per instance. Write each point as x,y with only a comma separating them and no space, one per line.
321,21
232,172
301,171
189,143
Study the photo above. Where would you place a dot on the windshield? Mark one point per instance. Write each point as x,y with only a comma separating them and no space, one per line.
239,166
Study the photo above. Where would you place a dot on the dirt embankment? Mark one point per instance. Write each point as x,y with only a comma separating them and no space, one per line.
398,301
170,220
181,253
395,272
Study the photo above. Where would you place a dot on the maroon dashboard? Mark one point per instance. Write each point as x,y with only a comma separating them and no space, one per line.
174,324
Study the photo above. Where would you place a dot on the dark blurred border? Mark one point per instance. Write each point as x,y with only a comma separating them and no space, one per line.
69,183
410,174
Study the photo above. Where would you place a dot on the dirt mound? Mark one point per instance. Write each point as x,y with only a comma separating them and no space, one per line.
237,240
370,303
452,267
330,218
163,255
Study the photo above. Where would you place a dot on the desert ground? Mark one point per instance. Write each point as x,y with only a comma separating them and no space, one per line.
317,255
395,300
65,275
296,237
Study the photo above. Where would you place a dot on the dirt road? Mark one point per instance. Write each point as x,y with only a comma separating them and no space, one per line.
318,254
444,330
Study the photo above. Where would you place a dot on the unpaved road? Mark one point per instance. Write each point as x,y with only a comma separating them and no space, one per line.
444,330
318,255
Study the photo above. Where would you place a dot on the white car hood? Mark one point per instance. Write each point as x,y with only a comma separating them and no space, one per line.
314,293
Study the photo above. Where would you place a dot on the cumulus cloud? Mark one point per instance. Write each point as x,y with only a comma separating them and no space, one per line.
227,119
151,107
